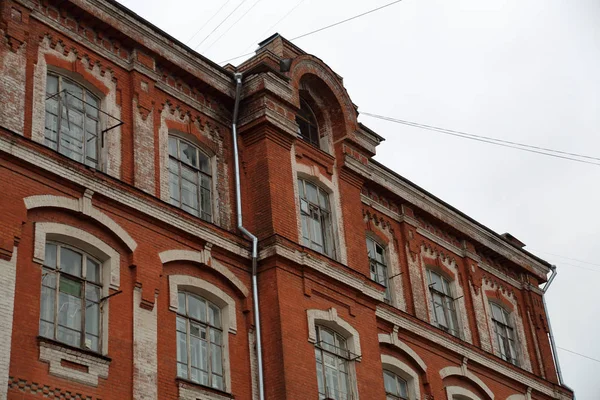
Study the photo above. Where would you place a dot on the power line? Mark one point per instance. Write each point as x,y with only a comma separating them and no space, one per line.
579,354
567,258
232,25
275,24
497,142
207,22
221,23
323,28
577,266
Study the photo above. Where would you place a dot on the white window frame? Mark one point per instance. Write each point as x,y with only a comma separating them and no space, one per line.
404,371
219,298
450,314
375,266
400,385
207,215
507,324
307,208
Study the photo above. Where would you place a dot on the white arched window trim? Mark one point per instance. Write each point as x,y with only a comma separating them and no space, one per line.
459,393
330,318
405,372
218,297
110,259
463,371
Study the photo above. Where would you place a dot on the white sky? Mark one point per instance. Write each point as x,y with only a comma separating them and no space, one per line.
526,71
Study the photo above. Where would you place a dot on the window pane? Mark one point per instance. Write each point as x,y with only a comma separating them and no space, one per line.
206,206
215,336
182,348
189,194
173,147
51,126
70,261
174,187
181,303
68,336
214,316
47,329
50,256
49,278
92,271
182,371
189,154
217,382
51,84
189,174
92,293
91,108
301,188
204,162
216,359
389,381
316,230
47,307
196,308
92,342
70,286
323,200
311,192
69,311
92,318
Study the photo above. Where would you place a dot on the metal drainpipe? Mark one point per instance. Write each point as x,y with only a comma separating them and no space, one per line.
550,334
240,225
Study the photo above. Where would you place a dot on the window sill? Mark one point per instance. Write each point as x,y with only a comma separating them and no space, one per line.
189,390
72,363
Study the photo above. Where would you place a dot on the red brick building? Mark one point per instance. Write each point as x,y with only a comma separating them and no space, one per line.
124,272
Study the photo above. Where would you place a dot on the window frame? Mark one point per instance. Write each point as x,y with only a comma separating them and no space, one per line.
95,162
307,116
324,215
398,379
383,266
336,352
85,281
200,175
505,341
448,303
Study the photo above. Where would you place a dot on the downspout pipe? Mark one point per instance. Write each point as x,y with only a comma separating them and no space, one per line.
550,334
249,235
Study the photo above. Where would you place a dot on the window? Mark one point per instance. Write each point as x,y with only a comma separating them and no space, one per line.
307,124
199,341
395,387
189,178
316,218
444,313
505,334
332,357
378,265
70,300
72,120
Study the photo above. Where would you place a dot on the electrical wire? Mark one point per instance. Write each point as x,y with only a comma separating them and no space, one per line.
323,28
232,25
207,22
275,24
567,258
577,266
579,354
497,142
220,23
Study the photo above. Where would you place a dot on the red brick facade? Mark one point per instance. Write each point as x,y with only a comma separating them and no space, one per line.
120,213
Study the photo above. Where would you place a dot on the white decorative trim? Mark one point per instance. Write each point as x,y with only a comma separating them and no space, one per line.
519,397
84,206
204,257
53,354
464,350
8,276
189,391
452,391
392,339
208,291
129,199
331,319
464,372
305,259
145,355
405,372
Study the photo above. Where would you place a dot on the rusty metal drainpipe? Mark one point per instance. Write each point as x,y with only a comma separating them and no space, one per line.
240,225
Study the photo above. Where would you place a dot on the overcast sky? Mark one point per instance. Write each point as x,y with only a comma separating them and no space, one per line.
525,71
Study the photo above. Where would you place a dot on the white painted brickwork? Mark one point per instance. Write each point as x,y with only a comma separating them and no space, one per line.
143,149
8,273
188,391
12,87
145,364
53,354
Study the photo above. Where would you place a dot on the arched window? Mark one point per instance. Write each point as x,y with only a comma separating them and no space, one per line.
378,265
71,295
199,341
72,120
505,333
315,215
332,357
190,179
396,388
444,312
308,129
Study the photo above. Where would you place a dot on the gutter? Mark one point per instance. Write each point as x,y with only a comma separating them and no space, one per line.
248,234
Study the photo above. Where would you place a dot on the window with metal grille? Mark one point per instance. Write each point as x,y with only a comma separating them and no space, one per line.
72,120
190,181
315,216
199,341
307,124
332,357
396,388
505,334
444,313
71,294
378,265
